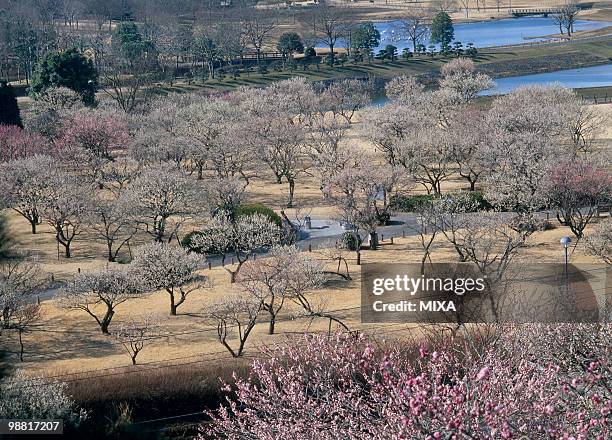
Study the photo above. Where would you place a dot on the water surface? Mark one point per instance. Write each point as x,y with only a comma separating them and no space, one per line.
489,33
597,76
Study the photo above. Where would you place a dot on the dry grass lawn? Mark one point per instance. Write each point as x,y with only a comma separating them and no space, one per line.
69,341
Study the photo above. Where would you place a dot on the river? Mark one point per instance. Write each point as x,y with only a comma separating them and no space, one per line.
596,76
487,33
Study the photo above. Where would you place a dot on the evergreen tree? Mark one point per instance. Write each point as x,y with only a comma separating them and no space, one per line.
9,110
442,30
365,36
69,69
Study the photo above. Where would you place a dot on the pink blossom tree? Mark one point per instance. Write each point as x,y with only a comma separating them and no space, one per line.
97,134
575,188
536,382
16,143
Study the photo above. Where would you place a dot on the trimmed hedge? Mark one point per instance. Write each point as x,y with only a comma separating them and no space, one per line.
409,203
416,202
257,208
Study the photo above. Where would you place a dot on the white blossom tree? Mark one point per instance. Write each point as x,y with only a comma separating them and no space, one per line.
65,205
344,97
23,185
518,182
27,397
99,293
171,268
241,237
162,198
202,128
460,77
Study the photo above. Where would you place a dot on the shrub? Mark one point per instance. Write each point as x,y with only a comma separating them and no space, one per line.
409,203
310,52
257,208
349,240
473,201
189,243
477,197
23,397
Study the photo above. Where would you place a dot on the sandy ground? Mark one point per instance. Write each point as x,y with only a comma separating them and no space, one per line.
67,341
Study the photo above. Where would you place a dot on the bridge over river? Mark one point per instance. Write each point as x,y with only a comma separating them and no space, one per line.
526,12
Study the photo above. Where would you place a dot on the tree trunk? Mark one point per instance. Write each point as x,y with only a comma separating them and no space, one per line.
33,224
66,250
373,241
272,324
111,256
291,191
172,304
20,345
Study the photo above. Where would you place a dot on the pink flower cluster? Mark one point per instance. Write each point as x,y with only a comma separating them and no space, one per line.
535,382
16,143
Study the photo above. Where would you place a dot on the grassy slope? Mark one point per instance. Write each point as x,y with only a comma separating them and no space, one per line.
499,62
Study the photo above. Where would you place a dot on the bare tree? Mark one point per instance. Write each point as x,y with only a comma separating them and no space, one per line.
65,206
336,252
24,317
235,315
281,146
285,274
414,24
329,24
465,5
113,222
361,195
169,267
566,16
135,333
99,293
576,188
20,282
326,150
426,228
257,29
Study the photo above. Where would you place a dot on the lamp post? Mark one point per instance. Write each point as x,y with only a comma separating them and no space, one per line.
565,241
